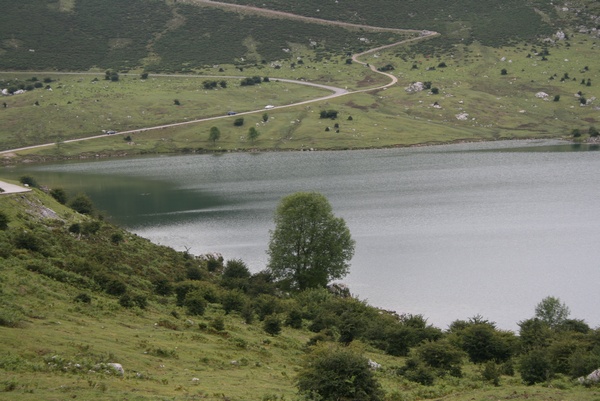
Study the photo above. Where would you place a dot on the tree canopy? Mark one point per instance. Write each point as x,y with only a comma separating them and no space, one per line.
309,245
552,311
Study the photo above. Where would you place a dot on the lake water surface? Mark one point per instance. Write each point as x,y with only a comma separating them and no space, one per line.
447,231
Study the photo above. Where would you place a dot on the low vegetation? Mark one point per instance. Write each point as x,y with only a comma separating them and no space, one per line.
79,295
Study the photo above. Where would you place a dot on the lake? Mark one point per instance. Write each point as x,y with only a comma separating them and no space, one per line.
448,232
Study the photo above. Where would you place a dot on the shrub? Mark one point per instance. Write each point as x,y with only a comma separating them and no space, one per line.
218,323
266,305
238,122
233,301
332,114
333,373
483,343
116,238
126,301
195,303
195,273
28,181
28,240
416,371
90,227
163,287
440,355
272,325
214,264
59,195
83,298
4,220
294,319
75,228
114,286
491,373
82,204
535,367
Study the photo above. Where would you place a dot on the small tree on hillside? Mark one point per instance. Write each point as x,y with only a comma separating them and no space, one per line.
214,134
309,246
253,134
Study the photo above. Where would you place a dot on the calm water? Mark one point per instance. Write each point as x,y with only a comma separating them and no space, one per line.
448,232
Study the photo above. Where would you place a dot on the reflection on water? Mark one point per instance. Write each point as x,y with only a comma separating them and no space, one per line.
448,232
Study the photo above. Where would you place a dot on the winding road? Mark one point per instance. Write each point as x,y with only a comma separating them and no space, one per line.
336,92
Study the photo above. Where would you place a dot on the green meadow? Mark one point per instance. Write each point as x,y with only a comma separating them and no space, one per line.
77,293
494,105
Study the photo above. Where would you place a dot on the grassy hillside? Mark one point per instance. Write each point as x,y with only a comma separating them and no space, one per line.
77,294
491,22
483,81
157,35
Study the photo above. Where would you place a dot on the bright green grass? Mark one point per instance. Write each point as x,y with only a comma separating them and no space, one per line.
241,363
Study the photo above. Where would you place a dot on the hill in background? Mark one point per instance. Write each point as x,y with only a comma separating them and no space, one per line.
185,35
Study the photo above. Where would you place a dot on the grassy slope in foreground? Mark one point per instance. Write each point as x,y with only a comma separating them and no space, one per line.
53,342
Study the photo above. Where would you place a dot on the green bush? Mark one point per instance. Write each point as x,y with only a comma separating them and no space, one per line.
333,373
218,323
233,301
59,195
491,373
272,325
417,372
83,298
29,181
441,356
30,241
535,367
82,204
294,319
195,303
4,220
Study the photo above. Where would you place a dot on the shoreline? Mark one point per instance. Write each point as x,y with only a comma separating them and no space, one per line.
13,159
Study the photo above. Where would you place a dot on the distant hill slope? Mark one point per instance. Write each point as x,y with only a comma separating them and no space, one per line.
489,21
173,36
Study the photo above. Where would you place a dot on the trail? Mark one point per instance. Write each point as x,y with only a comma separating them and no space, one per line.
336,92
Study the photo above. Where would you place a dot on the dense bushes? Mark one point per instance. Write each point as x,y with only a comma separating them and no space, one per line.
335,373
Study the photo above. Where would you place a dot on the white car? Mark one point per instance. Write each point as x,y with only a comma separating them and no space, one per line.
269,106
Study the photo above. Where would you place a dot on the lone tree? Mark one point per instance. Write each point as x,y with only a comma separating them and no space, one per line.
214,134
253,134
309,246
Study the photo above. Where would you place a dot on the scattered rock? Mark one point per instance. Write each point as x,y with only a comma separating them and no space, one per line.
117,367
374,365
415,87
593,377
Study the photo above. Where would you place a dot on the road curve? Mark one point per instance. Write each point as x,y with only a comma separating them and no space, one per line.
336,92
